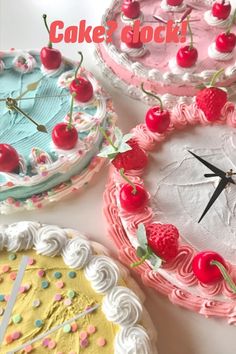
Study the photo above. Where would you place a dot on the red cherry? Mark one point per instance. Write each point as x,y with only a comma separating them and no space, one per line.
130,40
206,272
9,158
82,88
225,43
51,58
64,136
131,9
174,2
186,56
157,120
131,201
221,10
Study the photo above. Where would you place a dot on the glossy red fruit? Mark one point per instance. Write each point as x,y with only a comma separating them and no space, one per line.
163,240
51,58
64,136
157,120
174,2
186,56
82,88
225,43
206,272
211,100
130,39
131,9
221,10
134,159
9,158
131,201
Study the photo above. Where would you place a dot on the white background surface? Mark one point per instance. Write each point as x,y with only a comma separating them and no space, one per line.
179,330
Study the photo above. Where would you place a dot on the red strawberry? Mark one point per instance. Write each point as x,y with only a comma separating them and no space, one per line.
211,100
163,240
134,159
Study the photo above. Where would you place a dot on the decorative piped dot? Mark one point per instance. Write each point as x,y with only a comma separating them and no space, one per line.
67,302
101,342
16,335
6,268
52,344
71,294
45,342
31,261
83,335
84,343
60,284
72,275
74,327
58,297
12,275
67,328
28,349
45,284
7,297
9,339
27,286
36,303
12,256
2,297
41,273
38,323
57,275
16,319
91,329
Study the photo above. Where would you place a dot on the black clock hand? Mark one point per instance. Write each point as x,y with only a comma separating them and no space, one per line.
211,167
221,186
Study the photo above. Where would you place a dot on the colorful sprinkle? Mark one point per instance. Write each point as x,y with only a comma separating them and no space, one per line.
16,319
71,294
41,273
57,275
72,275
45,284
12,257
9,339
16,335
52,344
91,329
28,349
38,323
13,275
45,342
6,268
67,328
36,303
58,297
83,335
84,343
101,342
31,261
2,297
67,302
60,284
74,327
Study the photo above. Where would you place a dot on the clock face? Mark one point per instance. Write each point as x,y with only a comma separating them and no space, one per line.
180,192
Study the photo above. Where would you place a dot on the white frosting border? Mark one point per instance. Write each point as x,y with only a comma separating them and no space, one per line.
51,240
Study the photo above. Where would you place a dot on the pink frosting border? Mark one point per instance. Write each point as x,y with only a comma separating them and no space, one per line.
181,117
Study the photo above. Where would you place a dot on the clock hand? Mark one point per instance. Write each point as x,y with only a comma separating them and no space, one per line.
30,87
54,329
211,167
32,98
219,189
12,105
228,174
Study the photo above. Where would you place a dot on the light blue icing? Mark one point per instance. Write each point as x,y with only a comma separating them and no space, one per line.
19,132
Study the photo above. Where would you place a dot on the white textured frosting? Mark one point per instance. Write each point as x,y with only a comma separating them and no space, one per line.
133,340
128,20
3,237
2,65
133,52
77,253
215,54
50,241
53,72
21,235
215,21
167,7
176,69
28,66
102,273
122,306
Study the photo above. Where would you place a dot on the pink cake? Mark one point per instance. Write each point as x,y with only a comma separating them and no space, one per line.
155,63
177,193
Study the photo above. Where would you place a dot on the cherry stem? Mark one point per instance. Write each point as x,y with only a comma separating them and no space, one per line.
71,110
141,261
46,25
215,76
108,139
152,95
79,66
191,33
231,23
122,173
225,275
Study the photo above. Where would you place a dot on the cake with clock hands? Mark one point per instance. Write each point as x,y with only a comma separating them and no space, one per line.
51,109
170,200
80,300
172,70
